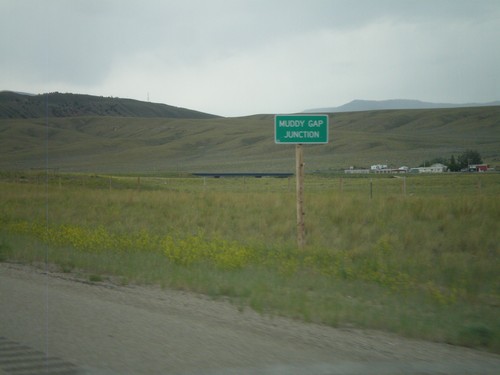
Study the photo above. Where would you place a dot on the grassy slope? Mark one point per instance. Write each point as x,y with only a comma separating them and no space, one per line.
14,105
132,144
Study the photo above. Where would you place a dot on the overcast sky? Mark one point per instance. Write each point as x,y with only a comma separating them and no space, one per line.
241,57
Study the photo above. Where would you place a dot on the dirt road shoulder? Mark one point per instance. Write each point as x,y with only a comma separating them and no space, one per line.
102,328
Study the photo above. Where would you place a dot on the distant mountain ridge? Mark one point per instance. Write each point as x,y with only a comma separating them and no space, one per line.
21,105
375,105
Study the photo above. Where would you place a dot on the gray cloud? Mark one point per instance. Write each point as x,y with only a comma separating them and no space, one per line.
236,57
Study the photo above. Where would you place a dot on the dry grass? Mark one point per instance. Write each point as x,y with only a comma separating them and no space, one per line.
424,264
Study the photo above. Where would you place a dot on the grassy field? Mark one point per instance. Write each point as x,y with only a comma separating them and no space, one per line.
419,256
107,144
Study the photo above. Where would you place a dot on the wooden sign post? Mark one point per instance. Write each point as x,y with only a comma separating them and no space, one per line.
299,130
299,174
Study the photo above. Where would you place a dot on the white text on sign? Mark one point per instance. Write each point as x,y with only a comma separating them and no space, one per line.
300,123
301,134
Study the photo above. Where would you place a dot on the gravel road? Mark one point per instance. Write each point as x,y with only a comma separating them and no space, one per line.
53,323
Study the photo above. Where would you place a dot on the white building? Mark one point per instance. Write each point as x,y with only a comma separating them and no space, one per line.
378,167
434,168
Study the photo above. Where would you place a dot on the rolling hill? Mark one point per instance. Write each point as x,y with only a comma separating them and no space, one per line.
145,143
18,105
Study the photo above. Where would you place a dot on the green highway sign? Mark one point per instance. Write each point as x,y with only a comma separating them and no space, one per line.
301,129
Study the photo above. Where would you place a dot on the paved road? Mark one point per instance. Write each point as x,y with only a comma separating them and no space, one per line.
56,324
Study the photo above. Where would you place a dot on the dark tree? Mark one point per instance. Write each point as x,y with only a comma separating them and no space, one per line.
453,165
469,157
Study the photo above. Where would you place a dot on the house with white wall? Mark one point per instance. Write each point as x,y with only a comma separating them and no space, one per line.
434,168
